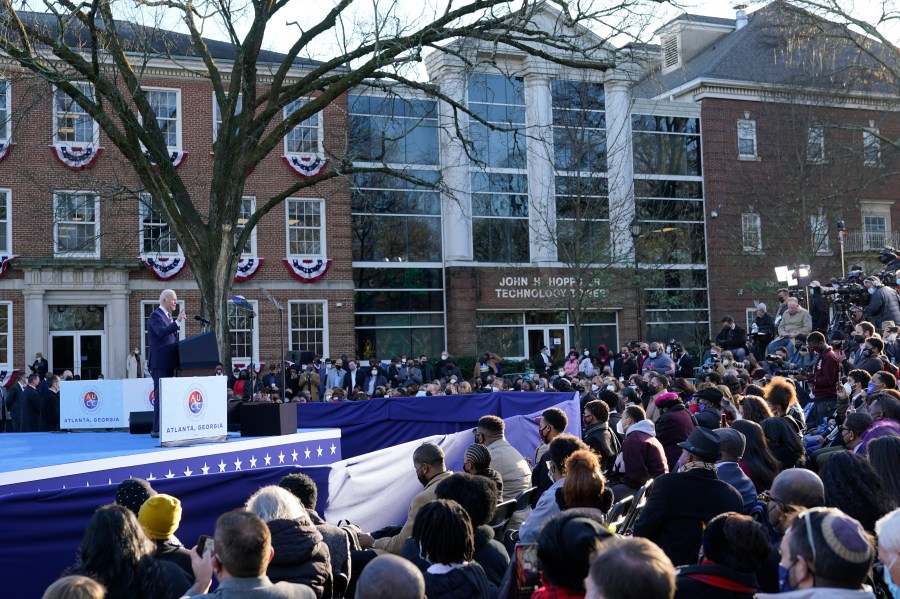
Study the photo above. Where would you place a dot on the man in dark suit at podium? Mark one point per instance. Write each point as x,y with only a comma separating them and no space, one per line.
162,334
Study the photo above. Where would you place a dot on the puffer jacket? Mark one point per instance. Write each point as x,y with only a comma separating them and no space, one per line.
465,582
301,556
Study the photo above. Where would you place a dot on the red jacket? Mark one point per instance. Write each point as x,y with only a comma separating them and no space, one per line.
826,375
642,455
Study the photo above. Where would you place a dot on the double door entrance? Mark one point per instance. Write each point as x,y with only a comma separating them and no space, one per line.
78,340
554,337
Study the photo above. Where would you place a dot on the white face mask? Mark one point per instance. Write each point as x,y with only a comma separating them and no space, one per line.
443,356
374,371
562,373
595,388
610,387
586,354
619,428
726,362
848,388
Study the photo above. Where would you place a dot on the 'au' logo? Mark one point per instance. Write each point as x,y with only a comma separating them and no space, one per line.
90,400
195,402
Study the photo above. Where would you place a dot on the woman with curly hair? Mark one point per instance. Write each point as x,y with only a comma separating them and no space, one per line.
784,441
117,553
852,485
758,462
782,397
584,485
884,455
755,408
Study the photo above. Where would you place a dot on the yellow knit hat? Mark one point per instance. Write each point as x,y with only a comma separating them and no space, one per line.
160,516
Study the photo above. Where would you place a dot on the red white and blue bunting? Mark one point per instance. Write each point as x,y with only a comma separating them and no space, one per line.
177,157
8,377
5,263
246,268
76,158
164,268
5,149
306,166
307,271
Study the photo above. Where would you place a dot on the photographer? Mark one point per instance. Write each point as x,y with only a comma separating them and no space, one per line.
762,331
309,381
824,379
884,303
733,338
684,362
818,308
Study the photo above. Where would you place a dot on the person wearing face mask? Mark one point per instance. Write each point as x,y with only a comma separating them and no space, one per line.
658,361
884,304
824,553
625,364
309,381
870,355
684,362
426,368
642,456
542,361
852,394
825,376
410,375
888,531
352,378
732,338
656,386
552,424
586,365
597,434
50,405
372,380
891,340
428,463
449,370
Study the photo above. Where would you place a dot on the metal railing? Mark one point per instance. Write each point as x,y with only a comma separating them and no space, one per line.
870,241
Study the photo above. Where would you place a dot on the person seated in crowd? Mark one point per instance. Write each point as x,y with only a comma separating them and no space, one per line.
781,393
710,401
732,338
390,577
681,503
888,530
755,408
734,548
849,438
642,456
852,394
845,475
629,568
658,361
132,493
506,460
884,408
301,556
656,385
584,485
552,424
117,553
564,549
795,320
243,550
824,549
733,444
758,462
443,532
884,455
674,425
559,451
160,517
597,434
75,587
783,439
477,462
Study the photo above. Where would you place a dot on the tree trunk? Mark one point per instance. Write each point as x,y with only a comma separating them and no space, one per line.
214,279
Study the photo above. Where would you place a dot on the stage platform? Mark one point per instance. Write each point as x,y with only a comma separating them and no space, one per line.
51,461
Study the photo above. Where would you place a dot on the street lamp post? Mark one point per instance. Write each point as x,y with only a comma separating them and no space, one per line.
635,228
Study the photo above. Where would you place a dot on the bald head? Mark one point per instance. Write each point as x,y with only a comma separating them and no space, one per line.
390,577
799,487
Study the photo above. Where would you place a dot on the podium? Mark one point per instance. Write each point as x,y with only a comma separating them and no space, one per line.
198,354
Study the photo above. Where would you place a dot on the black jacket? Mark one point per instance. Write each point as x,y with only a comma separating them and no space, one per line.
15,403
729,338
712,581
301,556
30,410
709,418
181,557
679,506
466,582
490,554
604,443
674,426
684,366
49,410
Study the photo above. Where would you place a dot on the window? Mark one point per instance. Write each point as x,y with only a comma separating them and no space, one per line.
872,147
305,228
6,338
147,307
5,132
500,101
394,130
156,236
217,114
875,232
666,145
309,326
248,207
166,104
818,224
582,226
746,131
76,227
305,138
751,232
579,126
244,334
5,222
815,144
500,217
73,125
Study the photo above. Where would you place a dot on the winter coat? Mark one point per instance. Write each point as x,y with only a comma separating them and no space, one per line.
642,456
490,554
301,556
712,581
465,582
604,443
674,426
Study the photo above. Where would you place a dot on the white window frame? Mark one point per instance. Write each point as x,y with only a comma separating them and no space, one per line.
867,234
6,116
9,336
818,225
871,141
751,218
815,131
254,332
324,304
252,242
322,228
286,112
95,134
142,207
178,118
56,222
143,333
217,114
747,126
8,224
876,209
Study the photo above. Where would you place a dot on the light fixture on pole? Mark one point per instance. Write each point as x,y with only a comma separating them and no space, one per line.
636,228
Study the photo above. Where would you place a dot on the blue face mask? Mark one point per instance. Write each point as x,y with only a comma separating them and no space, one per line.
871,388
871,291
784,584
893,587
652,354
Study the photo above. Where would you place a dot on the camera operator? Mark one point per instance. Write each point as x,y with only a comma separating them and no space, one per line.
309,381
803,358
818,308
684,362
884,303
733,338
795,321
762,331
824,378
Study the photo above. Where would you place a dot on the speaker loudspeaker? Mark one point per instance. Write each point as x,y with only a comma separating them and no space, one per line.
140,423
